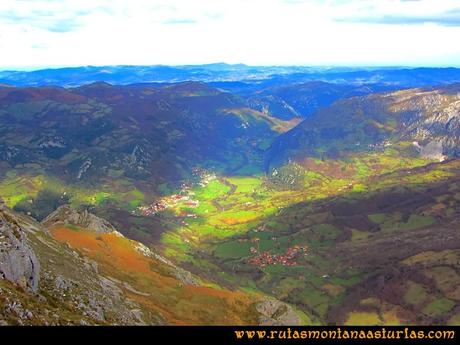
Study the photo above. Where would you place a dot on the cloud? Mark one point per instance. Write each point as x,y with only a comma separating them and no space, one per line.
316,32
393,12
52,13
48,15
180,21
389,12
447,18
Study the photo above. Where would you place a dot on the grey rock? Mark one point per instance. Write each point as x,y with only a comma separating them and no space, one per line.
184,276
62,284
67,215
276,313
433,150
18,262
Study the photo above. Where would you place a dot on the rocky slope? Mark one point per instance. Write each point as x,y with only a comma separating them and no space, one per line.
79,270
61,287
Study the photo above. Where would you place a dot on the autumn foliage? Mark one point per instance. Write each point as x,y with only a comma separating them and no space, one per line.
152,283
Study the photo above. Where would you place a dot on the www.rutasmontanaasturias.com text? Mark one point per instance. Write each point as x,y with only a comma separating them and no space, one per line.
340,333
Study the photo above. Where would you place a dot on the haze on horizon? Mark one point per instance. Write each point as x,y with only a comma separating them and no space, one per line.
57,33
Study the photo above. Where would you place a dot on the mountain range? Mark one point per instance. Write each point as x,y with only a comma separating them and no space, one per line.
239,75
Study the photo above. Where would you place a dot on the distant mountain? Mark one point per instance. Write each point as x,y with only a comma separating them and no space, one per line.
76,76
427,119
227,75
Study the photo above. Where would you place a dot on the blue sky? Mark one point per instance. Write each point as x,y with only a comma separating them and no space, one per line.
44,33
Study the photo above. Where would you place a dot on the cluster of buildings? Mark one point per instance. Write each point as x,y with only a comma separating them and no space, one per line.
185,195
152,209
167,202
204,176
288,259
184,214
262,228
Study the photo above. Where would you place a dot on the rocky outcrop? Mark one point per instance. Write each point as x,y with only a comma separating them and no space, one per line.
68,215
431,117
18,262
276,313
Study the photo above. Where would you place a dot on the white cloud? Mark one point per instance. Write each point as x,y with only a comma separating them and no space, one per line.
441,12
102,32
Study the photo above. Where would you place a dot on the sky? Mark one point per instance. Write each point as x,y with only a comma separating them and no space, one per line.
56,33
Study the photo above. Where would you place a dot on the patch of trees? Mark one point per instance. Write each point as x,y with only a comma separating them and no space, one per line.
43,204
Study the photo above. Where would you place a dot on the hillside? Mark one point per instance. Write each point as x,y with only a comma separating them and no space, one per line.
100,131
415,122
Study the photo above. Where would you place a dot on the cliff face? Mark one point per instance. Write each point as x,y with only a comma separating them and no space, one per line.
431,117
18,262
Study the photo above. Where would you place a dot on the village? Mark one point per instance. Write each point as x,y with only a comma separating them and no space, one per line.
184,200
185,196
288,259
